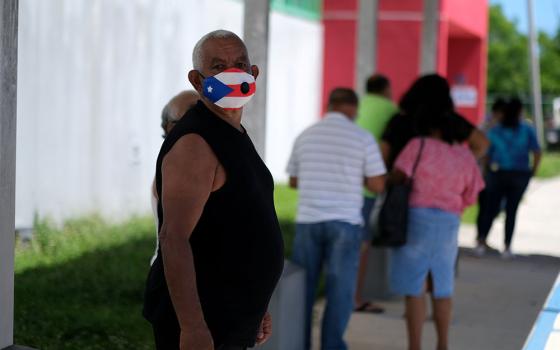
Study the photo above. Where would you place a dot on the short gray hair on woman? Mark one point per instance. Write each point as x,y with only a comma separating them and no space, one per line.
197,55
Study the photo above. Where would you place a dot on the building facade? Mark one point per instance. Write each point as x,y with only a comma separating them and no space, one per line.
460,54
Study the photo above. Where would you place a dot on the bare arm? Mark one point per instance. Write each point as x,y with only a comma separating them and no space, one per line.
385,151
293,182
478,143
375,184
396,177
186,189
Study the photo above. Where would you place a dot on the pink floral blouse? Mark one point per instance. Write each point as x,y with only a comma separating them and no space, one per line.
447,177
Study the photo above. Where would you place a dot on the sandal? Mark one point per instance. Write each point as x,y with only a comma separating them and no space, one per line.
369,308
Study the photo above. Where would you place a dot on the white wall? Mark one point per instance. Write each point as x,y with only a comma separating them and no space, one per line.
294,88
93,78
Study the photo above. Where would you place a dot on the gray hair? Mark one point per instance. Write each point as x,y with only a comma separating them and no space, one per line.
172,113
166,116
197,55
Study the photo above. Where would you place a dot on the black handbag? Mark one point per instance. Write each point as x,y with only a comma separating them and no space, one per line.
389,218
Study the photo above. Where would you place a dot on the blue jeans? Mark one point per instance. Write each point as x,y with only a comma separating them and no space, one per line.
336,246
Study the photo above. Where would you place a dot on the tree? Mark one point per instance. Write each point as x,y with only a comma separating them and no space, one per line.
508,66
550,59
508,59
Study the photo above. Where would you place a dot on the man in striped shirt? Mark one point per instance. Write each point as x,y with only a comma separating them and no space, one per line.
330,163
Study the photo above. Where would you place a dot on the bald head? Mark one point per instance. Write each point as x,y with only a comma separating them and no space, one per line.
344,100
176,108
206,46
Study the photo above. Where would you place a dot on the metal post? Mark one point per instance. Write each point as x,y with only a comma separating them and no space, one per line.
8,98
366,43
535,75
255,32
428,54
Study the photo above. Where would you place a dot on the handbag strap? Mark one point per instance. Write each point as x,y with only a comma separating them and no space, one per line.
422,141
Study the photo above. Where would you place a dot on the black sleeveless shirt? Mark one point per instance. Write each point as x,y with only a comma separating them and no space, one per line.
237,244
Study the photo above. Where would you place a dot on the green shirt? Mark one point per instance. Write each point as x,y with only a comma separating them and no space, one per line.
373,115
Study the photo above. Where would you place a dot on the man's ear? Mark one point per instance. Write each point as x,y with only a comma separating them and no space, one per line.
196,80
255,71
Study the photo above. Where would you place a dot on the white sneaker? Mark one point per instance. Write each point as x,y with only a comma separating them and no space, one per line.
507,254
480,250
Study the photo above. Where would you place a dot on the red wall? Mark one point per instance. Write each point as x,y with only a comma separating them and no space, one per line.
467,49
471,15
339,20
398,42
464,69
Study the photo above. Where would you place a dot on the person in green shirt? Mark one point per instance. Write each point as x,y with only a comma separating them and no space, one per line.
375,110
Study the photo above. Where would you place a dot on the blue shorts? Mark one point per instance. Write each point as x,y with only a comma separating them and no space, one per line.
431,247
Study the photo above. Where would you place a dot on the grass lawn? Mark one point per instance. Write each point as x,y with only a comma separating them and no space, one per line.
550,165
81,287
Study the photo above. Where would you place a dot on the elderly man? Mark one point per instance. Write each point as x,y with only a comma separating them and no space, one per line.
221,249
330,163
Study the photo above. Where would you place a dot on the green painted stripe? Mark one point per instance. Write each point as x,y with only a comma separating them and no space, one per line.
296,11
307,9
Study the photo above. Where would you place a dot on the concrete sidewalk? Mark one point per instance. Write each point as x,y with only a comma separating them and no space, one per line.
496,301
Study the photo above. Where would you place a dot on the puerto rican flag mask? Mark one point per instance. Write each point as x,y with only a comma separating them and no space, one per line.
230,89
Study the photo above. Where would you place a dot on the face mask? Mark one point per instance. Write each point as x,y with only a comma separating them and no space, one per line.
230,89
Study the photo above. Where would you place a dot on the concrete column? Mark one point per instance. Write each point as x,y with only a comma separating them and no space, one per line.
429,48
8,98
287,308
366,43
535,75
376,284
255,32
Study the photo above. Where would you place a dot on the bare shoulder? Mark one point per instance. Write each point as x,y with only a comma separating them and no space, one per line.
189,149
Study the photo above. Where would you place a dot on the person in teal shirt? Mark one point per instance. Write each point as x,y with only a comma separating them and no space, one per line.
513,159
375,110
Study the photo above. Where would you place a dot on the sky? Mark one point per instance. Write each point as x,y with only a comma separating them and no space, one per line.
547,13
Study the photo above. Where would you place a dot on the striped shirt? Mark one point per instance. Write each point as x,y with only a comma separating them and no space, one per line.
331,159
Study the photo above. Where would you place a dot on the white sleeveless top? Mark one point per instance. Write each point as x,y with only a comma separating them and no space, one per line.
155,213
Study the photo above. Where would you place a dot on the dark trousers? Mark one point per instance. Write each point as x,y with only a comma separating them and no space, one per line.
167,336
480,219
501,186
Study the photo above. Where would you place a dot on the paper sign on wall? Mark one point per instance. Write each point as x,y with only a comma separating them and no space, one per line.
464,95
